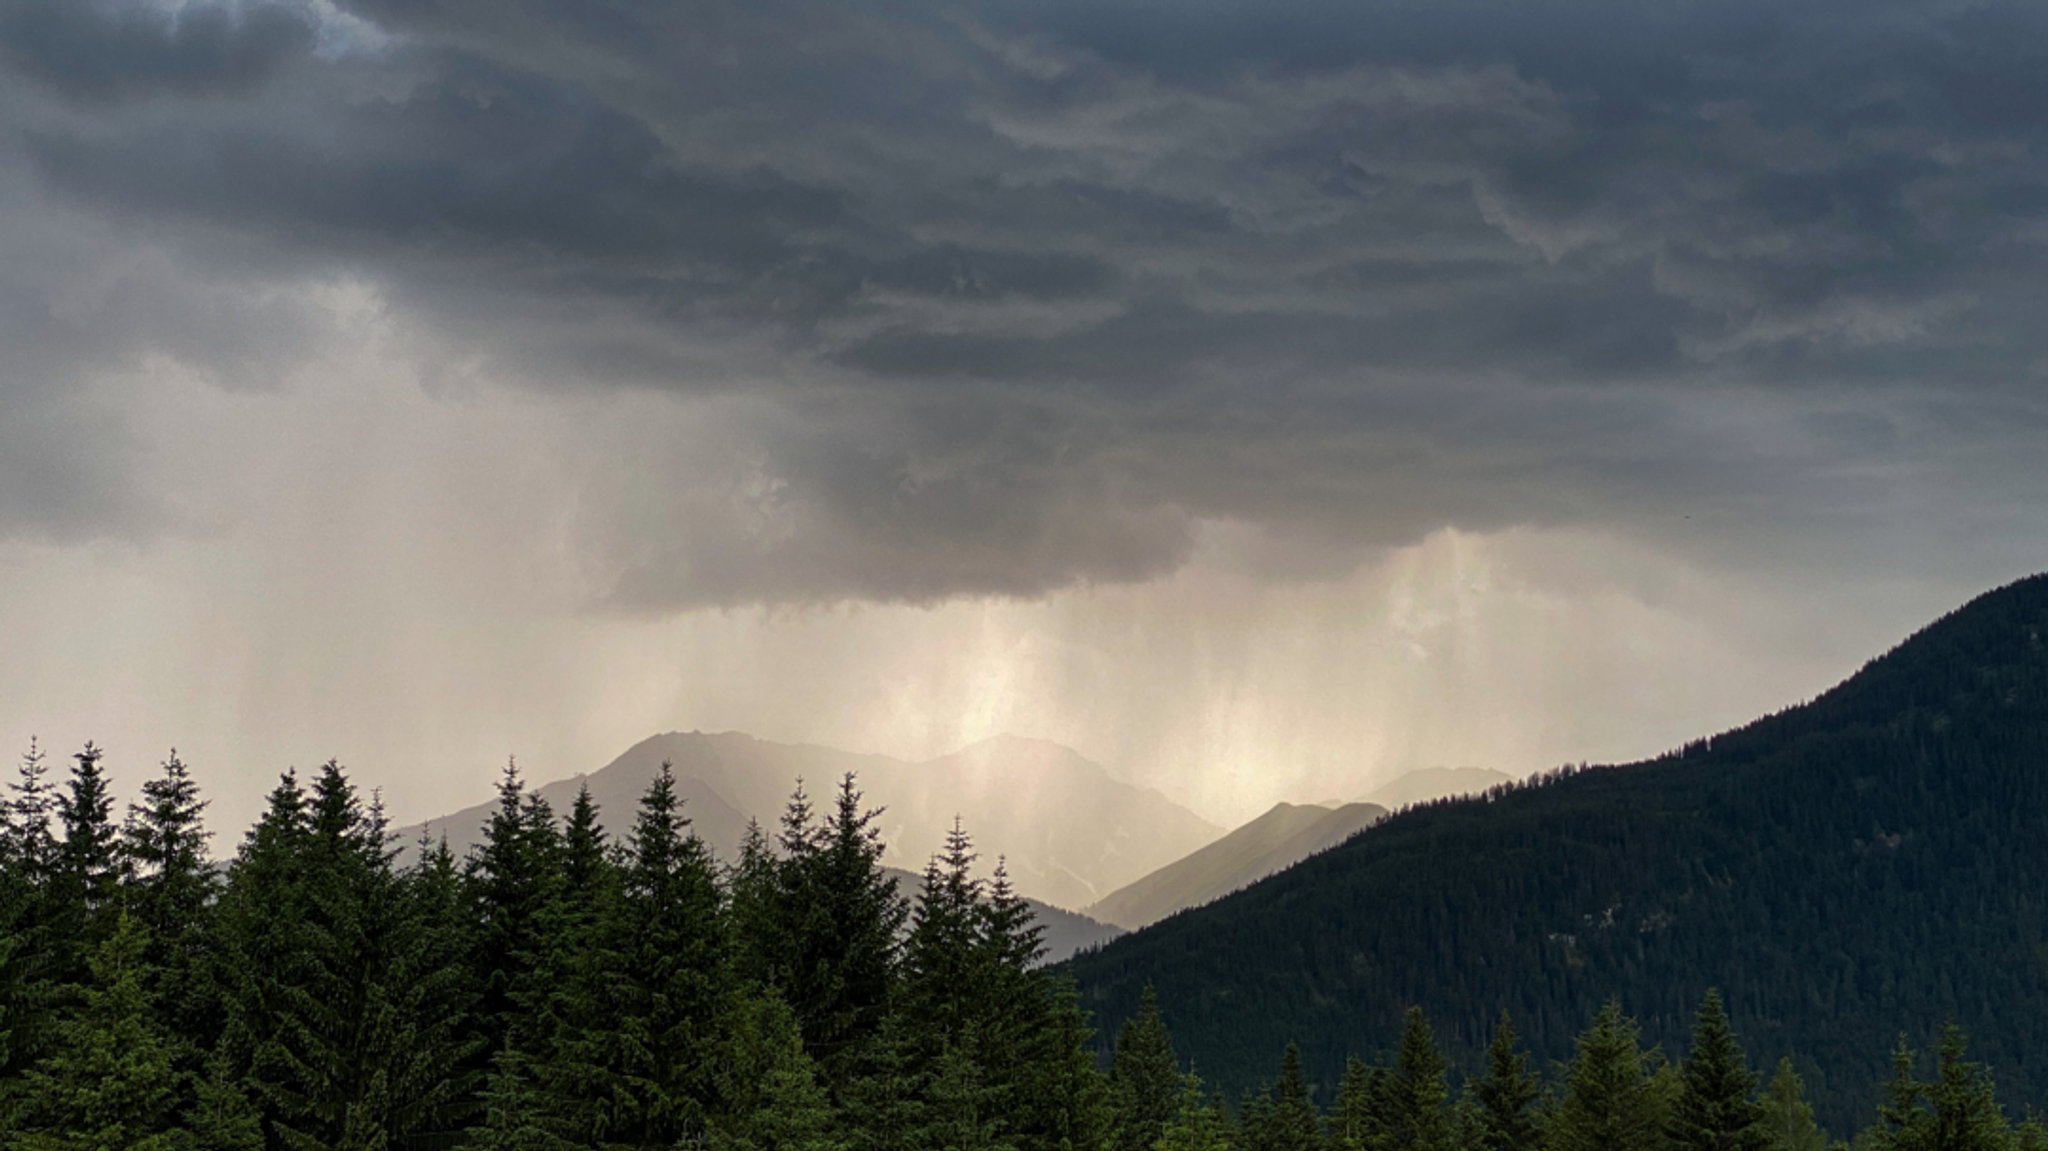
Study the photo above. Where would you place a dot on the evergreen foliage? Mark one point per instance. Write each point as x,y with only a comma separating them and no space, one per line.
1866,861
1716,1108
565,991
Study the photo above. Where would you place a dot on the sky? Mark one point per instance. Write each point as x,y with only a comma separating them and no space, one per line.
1262,398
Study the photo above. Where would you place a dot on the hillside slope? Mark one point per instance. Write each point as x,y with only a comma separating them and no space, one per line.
1872,861
1279,839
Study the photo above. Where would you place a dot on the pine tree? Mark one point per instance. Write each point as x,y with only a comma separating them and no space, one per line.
28,943
1964,1101
1419,1093
88,867
262,936
512,876
1199,1125
768,1094
944,964
171,893
577,1071
1356,1124
1609,1103
513,1116
1506,1095
673,972
1787,1120
1716,1108
1902,1122
851,966
1145,1078
110,1082
1291,1124
221,1116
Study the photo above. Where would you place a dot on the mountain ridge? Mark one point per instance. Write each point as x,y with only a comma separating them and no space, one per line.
1869,858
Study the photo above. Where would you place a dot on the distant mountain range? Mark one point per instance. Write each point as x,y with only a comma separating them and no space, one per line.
1872,862
1436,783
1279,839
1069,830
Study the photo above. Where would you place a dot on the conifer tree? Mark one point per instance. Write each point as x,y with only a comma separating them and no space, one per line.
513,1118
944,969
846,1000
221,1116
172,890
1787,1120
1145,1078
28,972
1199,1125
88,865
1609,1103
1963,1100
512,875
1716,1107
1506,1095
673,972
1355,1122
1419,1092
261,932
1291,1124
109,1082
767,1090
577,1070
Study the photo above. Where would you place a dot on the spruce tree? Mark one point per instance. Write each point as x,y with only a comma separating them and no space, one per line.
1355,1123
1964,1102
1420,1122
1145,1078
768,1097
1609,1103
1506,1095
1787,1120
263,946
513,1117
1716,1107
28,943
171,893
110,1081
851,967
1292,1123
673,974
944,968
88,865
512,875
1199,1125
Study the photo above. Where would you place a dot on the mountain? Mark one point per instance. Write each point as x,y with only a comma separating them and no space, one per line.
1436,783
1069,831
1279,839
1873,861
1066,932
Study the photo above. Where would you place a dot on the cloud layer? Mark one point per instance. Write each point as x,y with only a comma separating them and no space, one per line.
1007,297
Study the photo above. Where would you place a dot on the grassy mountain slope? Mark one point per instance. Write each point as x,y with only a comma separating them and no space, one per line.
1872,861
1279,839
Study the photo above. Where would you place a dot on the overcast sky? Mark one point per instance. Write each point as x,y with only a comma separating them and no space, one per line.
1262,397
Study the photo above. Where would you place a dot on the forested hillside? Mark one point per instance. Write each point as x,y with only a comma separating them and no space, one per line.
561,988
1875,860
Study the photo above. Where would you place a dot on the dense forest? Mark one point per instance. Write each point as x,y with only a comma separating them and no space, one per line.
1872,861
561,988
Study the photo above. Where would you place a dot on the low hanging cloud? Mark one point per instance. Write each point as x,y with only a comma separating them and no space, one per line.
1008,297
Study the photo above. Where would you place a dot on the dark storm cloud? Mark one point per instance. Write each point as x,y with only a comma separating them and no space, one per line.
1024,292
92,50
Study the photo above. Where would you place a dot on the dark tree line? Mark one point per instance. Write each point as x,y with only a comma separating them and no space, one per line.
566,988
562,987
